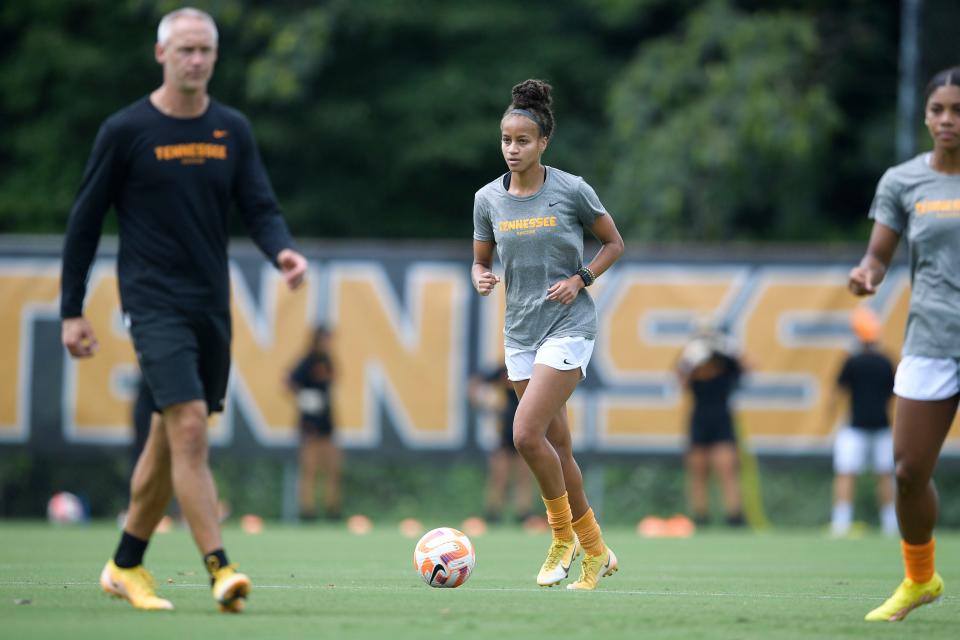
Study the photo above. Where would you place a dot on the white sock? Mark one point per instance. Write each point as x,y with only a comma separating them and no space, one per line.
888,519
842,518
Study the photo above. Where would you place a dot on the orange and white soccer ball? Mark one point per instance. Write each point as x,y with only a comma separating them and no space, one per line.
444,557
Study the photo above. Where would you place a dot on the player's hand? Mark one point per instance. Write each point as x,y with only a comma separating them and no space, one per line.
863,281
78,337
485,283
293,266
565,291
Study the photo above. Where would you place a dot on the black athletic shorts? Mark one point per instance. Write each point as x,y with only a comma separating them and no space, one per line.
706,432
314,425
184,355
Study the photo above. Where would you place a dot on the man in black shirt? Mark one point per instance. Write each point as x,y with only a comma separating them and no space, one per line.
867,376
170,164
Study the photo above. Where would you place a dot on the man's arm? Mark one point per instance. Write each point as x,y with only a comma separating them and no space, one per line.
261,212
80,241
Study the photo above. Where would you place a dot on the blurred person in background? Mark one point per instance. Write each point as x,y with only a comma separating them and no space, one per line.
535,217
310,380
710,369
920,201
867,377
171,164
494,392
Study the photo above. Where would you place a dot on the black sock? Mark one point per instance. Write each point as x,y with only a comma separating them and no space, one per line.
130,551
215,560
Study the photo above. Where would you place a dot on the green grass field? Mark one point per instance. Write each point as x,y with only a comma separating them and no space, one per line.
322,582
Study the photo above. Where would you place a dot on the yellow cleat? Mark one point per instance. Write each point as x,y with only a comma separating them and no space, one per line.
908,596
560,556
230,588
135,585
592,568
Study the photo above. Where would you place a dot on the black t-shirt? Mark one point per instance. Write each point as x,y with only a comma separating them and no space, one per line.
314,372
171,181
711,392
868,376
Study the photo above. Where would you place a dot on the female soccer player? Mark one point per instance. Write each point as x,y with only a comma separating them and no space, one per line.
535,215
710,368
921,199
311,380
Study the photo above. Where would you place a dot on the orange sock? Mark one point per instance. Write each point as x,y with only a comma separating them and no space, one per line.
559,517
918,560
589,534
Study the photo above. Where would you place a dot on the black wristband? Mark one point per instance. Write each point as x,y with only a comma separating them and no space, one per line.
586,275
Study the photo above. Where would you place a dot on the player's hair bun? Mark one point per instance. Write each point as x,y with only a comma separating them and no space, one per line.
532,94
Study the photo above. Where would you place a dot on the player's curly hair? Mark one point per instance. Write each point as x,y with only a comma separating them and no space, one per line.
534,97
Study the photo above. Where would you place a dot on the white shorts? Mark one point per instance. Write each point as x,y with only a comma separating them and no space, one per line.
921,378
562,354
852,449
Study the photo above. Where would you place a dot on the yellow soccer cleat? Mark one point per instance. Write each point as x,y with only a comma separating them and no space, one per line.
135,585
908,596
230,588
592,568
560,556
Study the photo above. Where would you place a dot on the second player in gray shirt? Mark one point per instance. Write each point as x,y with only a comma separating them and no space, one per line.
923,206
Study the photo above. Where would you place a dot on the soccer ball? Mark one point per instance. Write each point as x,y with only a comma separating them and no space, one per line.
444,557
65,508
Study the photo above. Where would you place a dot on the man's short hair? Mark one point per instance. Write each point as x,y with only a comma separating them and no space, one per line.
166,23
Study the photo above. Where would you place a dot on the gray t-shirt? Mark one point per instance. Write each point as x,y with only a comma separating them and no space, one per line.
540,241
924,206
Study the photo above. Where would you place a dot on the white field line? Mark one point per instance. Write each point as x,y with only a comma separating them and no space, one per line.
603,592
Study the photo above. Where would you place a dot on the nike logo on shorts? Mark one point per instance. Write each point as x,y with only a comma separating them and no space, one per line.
553,204
565,361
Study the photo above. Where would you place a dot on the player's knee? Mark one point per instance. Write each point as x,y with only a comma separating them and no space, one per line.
525,440
910,477
189,435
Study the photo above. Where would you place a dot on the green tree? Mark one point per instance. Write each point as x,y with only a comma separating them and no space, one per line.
719,130
695,119
395,119
374,118
58,62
